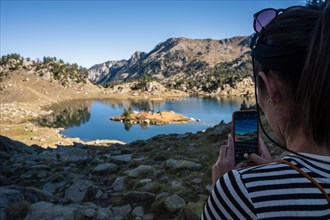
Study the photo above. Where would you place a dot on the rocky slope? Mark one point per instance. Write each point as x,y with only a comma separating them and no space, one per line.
179,58
165,177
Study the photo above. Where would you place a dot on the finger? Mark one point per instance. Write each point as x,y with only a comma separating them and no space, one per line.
223,152
231,148
256,159
242,165
262,150
262,146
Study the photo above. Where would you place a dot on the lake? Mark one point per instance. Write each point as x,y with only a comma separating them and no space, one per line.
90,119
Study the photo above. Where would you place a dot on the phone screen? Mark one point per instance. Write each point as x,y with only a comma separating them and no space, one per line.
245,133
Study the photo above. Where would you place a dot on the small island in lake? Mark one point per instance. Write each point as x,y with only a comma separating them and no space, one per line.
151,118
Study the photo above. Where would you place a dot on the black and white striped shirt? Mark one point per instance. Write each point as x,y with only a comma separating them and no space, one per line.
272,191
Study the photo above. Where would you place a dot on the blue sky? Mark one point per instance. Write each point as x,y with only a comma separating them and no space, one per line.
91,32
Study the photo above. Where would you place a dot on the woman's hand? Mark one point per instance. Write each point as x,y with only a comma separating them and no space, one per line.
226,159
262,157
225,162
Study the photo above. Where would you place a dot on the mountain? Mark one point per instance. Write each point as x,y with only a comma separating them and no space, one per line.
172,60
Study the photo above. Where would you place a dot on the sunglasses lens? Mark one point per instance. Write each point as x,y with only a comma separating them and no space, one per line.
263,19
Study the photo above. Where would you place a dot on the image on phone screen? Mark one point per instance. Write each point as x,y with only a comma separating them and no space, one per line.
245,131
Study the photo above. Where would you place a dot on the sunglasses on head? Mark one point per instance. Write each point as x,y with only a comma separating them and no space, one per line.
265,16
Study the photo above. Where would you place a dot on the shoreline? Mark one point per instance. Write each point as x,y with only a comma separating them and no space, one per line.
25,98
17,116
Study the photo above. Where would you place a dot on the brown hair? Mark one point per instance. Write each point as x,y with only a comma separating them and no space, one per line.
309,75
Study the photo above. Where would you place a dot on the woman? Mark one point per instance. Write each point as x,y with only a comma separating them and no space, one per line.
291,57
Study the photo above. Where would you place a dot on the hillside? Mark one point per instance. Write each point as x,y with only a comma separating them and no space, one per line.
194,66
49,69
28,88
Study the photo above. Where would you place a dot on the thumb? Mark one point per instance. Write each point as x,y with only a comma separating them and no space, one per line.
256,159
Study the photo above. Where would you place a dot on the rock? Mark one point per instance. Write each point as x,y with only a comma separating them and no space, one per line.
183,164
139,171
99,194
10,196
122,212
174,203
90,213
138,211
163,195
104,214
145,181
152,187
49,211
105,168
72,154
52,187
78,191
197,180
118,184
176,183
123,157
47,76
193,211
155,87
148,217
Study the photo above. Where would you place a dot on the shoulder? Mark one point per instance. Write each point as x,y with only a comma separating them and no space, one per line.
229,199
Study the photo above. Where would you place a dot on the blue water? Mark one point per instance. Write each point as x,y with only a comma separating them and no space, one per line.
95,123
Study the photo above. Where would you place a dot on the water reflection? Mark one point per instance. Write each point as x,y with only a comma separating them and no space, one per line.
89,119
68,114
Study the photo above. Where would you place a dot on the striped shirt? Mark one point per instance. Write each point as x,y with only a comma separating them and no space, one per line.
272,191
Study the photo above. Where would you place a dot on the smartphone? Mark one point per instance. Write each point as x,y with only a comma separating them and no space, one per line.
245,133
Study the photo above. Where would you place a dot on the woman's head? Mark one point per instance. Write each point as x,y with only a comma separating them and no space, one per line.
295,48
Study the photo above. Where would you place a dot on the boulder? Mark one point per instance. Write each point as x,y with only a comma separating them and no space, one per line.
122,212
72,154
197,180
152,187
174,203
78,191
148,216
49,211
139,171
52,187
10,196
105,168
118,185
176,183
138,211
104,214
122,158
182,164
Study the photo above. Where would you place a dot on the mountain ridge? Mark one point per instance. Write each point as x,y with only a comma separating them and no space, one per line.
171,57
